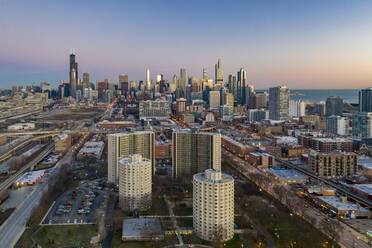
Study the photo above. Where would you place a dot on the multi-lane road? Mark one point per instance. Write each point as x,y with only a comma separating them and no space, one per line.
14,226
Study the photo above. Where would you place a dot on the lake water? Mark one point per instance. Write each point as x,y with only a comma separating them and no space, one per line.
321,95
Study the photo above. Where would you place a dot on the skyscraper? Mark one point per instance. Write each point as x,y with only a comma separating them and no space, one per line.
183,73
205,76
279,103
194,83
73,75
86,80
365,100
297,108
241,86
148,81
213,205
173,85
362,125
124,84
232,84
249,96
194,152
218,72
182,82
334,106
124,144
214,99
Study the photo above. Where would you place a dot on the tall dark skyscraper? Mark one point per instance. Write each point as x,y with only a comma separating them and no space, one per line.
365,100
232,84
124,84
334,106
73,75
241,86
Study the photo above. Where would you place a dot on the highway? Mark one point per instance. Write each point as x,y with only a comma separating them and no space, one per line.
8,182
54,132
45,134
13,227
11,151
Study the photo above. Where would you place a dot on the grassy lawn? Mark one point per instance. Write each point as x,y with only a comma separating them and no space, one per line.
235,242
55,236
66,235
25,240
43,166
158,207
280,224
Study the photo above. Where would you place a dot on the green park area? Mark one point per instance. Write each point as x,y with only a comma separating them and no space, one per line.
59,236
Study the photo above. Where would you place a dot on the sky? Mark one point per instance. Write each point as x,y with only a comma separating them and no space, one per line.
300,43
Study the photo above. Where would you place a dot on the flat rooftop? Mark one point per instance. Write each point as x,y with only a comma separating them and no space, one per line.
259,154
336,202
30,177
61,137
286,174
141,229
92,147
333,139
366,188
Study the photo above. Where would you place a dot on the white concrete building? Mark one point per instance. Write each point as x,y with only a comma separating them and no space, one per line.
297,108
157,108
338,125
135,183
21,126
121,145
254,115
226,112
213,205
214,99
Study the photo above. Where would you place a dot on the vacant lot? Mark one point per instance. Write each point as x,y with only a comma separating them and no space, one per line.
72,114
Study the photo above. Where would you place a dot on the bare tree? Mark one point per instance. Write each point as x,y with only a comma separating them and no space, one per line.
219,234
332,228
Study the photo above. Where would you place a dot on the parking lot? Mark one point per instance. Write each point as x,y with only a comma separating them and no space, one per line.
76,206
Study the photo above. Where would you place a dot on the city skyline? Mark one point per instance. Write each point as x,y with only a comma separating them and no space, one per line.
297,43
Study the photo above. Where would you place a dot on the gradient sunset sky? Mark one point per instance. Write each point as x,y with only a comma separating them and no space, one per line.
300,43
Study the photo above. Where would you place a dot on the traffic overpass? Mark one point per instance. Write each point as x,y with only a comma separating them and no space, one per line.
9,181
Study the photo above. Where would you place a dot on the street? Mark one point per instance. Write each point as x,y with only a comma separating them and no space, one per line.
15,225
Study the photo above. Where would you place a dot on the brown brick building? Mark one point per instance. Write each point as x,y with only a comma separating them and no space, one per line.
334,164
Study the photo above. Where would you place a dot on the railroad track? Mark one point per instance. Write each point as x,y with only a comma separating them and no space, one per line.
9,182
